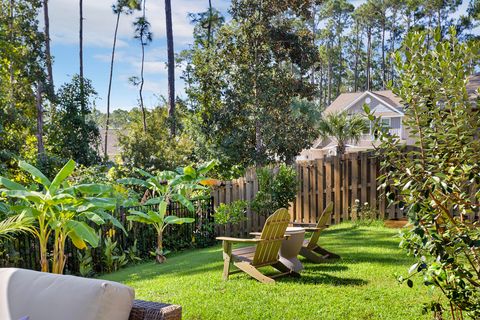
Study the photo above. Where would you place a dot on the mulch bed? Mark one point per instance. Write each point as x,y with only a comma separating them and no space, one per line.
396,223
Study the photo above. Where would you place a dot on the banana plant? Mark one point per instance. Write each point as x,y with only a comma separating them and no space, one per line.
166,187
60,209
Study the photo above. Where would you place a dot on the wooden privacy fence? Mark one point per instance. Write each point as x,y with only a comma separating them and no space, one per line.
341,179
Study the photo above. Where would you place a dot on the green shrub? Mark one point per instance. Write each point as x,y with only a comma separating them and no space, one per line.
231,213
276,189
439,180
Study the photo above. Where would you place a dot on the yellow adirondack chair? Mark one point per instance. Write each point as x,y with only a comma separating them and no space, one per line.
310,249
264,253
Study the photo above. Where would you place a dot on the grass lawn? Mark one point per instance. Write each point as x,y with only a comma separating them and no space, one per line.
362,285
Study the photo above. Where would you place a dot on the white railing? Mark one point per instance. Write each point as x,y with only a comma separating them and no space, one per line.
393,132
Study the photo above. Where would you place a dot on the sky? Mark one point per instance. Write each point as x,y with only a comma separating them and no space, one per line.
99,23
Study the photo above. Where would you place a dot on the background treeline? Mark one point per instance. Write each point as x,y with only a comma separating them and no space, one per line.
256,81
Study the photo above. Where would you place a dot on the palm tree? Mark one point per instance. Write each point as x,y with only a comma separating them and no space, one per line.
171,67
118,9
142,32
342,128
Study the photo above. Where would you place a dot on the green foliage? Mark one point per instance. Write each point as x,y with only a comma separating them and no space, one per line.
15,224
60,209
231,213
154,149
113,257
164,188
342,127
364,214
21,59
439,180
86,263
72,135
275,189
244,85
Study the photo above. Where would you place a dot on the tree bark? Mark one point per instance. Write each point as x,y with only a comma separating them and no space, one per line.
48,55
209,30
80,36
40,145
110,82
171,68
357,49
384,69
369,52
142,79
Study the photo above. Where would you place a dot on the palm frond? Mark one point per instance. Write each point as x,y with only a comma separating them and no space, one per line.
15,224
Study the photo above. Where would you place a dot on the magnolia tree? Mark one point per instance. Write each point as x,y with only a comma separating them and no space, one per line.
57,210
438,181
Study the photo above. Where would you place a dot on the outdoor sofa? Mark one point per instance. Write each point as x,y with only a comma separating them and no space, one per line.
32,295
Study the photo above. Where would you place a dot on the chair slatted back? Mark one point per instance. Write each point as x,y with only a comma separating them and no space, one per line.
322,223
273,233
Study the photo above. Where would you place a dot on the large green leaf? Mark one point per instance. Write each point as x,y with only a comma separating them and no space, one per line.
184,201
37,175
62,175
154,216
140,217
92,188
177,220
25,195
144,173
137,217
206,167
102,203
11,185
155,200
134,181
83,231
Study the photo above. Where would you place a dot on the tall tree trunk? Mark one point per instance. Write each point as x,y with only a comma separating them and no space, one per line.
384,68
40,145
171,68
393,37
142,80
369,52
80,36
110,82
11,66
340,64
330,74
48,55
314,32
209,30
357,53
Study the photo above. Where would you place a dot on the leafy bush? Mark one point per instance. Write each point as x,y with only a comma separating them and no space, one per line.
276,189
438,180
231,213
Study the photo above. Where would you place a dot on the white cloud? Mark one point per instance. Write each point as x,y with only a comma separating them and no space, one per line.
100,21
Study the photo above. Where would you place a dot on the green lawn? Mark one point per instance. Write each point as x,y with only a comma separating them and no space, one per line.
361,285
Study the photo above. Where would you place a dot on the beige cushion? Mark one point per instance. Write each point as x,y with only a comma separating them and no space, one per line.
45,296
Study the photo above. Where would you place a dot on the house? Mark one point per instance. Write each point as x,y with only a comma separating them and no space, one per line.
384,104
387,106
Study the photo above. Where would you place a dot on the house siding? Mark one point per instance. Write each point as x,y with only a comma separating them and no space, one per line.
396,122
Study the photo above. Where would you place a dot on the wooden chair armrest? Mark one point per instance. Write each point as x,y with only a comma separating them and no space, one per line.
146,310
258,234
230,239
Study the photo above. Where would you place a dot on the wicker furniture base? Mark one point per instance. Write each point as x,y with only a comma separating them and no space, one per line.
145,310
